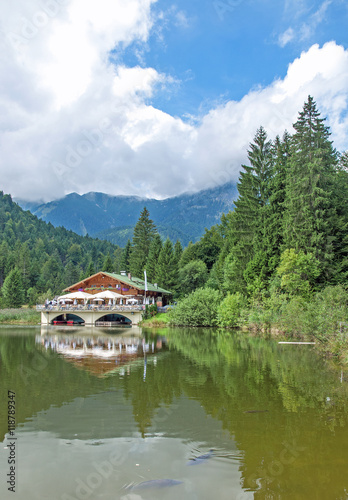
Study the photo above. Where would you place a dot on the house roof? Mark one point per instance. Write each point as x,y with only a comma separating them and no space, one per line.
137,283
134,282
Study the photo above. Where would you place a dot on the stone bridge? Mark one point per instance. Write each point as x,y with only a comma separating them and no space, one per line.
90,317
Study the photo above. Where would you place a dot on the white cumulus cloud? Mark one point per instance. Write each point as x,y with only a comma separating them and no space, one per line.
71,120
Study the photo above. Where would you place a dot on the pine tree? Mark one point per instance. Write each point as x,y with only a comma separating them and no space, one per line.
340,244
166,269
177,252
108,266
90,270
309,214
12,290
126,256
152,260
248,221
144,233
188,254
273,235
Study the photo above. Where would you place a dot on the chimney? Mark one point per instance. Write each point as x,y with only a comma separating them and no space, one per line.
130,276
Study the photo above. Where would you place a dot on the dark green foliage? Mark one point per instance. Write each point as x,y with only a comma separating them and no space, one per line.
298,272
192,276
150,311
144,233
310,213
46,257
230,310
197,309
13,290
167,271
126,257
108,266
152,260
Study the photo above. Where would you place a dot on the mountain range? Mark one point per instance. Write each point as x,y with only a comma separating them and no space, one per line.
103,216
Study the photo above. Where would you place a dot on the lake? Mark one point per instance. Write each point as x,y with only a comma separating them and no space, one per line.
131,414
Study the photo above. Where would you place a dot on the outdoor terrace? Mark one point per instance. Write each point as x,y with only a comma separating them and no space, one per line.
89,307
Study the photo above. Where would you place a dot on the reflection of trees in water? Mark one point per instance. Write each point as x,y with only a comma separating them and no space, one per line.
228,374
248,373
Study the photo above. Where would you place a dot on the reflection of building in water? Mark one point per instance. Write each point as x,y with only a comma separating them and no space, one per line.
102,355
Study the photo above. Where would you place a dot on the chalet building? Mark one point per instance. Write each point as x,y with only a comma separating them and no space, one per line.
103,299
123,284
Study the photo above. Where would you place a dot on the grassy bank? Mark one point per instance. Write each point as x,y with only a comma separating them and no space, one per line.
160,320
321,317
20,316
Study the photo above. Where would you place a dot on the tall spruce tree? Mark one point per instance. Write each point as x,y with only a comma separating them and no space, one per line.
340,195
126,256
309,214
152,260
273,235
143,235
248,221
166,273
13,290
108,265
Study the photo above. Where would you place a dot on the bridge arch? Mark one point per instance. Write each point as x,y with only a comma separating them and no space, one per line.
91,317
67,318
114,318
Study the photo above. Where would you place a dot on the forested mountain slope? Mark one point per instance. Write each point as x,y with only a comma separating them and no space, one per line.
183,217
46,257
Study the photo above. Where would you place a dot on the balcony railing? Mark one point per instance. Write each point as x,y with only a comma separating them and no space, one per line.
90,308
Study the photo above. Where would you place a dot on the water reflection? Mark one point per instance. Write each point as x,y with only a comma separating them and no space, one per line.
102,354
257,419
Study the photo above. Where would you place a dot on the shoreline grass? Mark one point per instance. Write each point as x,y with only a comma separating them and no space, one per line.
159,320
19,316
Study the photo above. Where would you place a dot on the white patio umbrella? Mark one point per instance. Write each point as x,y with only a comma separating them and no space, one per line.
76,295
131,301
108,294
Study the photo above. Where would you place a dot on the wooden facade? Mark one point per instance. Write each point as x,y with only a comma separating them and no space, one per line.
123,284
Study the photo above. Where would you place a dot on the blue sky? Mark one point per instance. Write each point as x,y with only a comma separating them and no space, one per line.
219,50
156,98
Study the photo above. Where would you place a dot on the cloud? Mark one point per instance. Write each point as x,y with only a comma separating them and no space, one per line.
286,37
73,121
303,30
308,28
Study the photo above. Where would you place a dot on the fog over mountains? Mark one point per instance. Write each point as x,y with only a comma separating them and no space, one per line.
183,217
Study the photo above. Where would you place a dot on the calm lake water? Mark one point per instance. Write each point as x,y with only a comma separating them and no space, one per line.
192,414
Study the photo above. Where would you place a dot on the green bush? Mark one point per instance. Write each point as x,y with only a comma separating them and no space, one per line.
150,311
326,311
197,309
193,276
230,309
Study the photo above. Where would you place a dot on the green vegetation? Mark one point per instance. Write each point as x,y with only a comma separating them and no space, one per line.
197,309
159,320
280,259
37,259
19,316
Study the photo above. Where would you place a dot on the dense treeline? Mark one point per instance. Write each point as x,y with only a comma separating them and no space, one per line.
284,248
289,227
37,259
